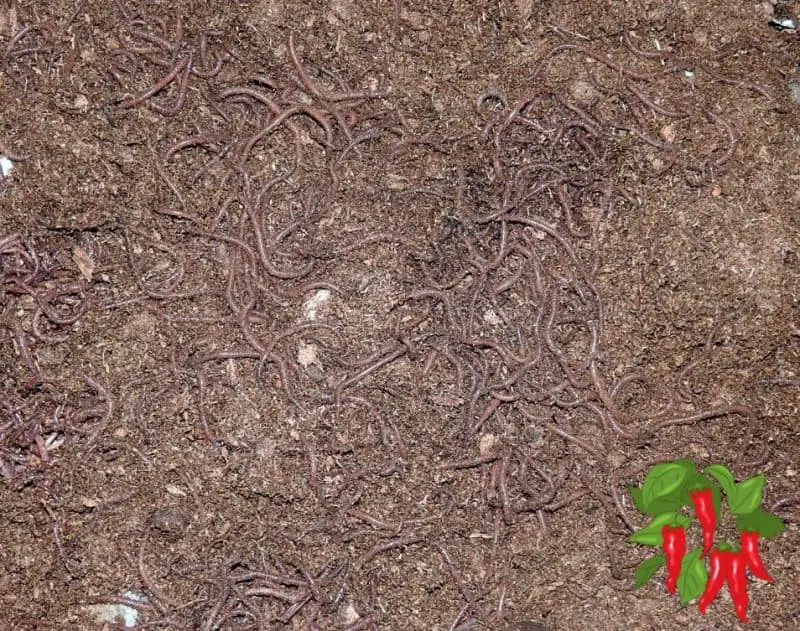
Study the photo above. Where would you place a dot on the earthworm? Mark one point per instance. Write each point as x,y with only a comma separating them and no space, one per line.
276,592
305,80
364,622
71,17
392,544
638,133
109,412
725,410
193,141
160,85
738,82
211,71
40,335
373,521
731,138
15,326
602,392
491,93
159,600
469,464
255,222
660,54
201,408
581,443
177,106
16,38
654,106
11,155
371,369
590,53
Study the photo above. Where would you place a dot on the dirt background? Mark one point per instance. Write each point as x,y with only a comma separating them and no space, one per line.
363,315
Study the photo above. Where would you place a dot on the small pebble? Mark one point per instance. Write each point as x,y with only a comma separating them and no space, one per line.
170,521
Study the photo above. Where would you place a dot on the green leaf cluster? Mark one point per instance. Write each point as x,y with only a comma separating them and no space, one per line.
743,498
665,493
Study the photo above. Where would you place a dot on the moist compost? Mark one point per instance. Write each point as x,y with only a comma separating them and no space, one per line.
359,316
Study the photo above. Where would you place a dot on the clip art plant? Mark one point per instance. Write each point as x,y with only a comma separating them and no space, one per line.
671,487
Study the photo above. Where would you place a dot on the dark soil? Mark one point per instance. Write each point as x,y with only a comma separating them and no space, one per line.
364,315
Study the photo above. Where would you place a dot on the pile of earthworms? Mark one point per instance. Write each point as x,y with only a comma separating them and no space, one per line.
40,302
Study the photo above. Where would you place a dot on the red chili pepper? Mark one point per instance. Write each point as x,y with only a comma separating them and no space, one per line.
716,579
704,508
752,556
737,583
674,546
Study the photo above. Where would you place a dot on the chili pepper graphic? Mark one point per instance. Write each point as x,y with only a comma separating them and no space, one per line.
704,508
674,546
737,583
752,556
719,572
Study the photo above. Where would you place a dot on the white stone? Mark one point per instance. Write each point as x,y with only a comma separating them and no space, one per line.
313,304
5,166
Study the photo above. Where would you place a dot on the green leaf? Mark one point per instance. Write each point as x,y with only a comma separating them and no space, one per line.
748,495
725,478
686,464
667,504
650,535
693,577
636,495
648,568
765,524
663,480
